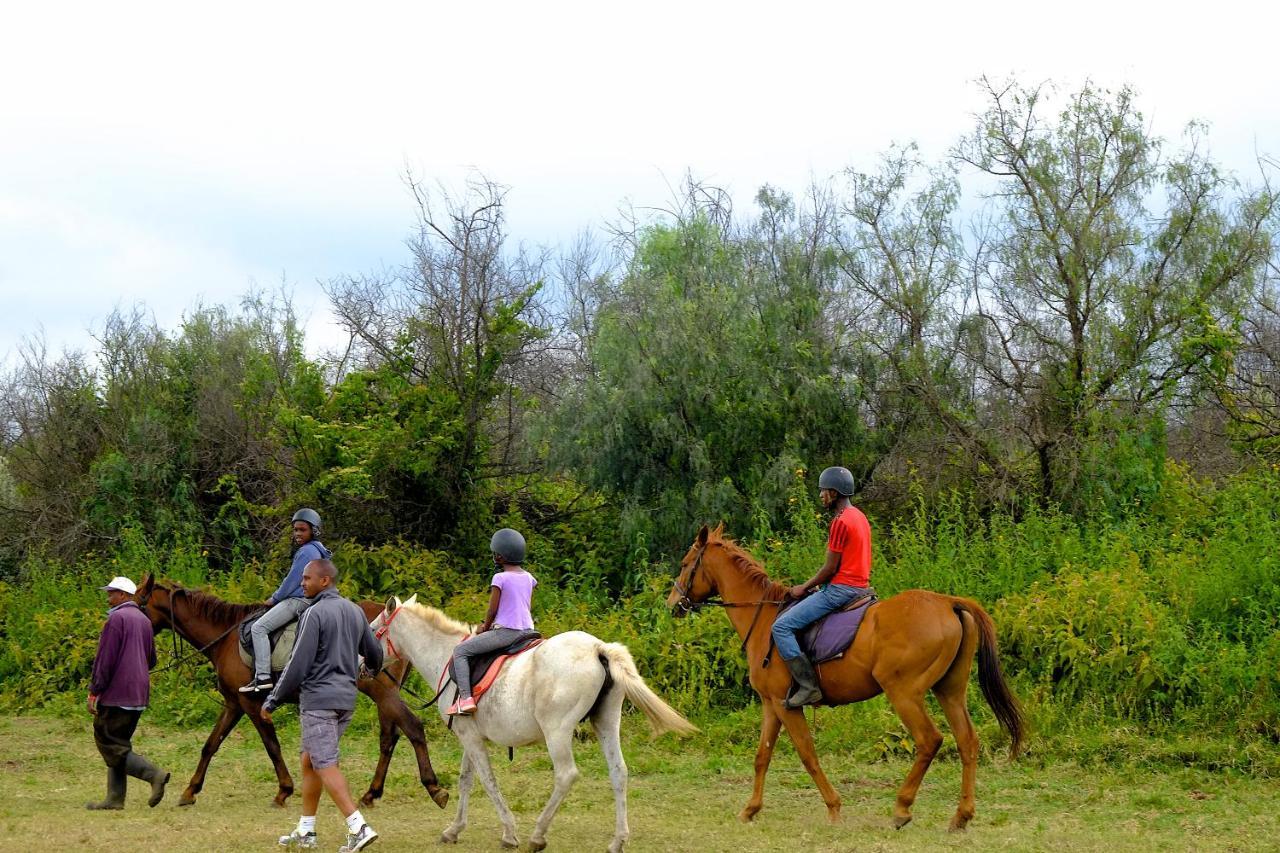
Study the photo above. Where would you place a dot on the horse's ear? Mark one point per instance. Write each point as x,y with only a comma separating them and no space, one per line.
413,599
702,536
719,531
147,582
393,604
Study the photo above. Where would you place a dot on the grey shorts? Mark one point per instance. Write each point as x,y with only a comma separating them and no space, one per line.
320,733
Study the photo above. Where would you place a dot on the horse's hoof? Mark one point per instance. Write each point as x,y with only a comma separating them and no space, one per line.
440,796
369,800
958,824
748,814
901,821
535,846
446,838
510,844
187,801
833,817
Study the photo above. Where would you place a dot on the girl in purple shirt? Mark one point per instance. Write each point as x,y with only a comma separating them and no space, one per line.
508,617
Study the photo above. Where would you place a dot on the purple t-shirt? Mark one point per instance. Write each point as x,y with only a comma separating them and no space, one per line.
513,604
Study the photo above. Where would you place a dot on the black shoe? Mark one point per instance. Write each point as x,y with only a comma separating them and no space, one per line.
805,690
257,686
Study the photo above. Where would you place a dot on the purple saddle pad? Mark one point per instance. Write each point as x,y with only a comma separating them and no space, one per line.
832,635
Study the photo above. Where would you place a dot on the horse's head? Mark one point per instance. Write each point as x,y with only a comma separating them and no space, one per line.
156,601
381,626
695,584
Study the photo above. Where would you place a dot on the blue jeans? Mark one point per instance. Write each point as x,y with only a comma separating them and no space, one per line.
278,616
827,599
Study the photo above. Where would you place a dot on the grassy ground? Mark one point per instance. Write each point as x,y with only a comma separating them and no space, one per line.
682,797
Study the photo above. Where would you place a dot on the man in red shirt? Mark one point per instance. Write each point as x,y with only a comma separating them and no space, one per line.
844,577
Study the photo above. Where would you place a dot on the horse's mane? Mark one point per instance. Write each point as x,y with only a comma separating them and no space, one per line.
437,619
751,571
208,606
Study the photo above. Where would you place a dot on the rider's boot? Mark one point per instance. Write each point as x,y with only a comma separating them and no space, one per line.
804,690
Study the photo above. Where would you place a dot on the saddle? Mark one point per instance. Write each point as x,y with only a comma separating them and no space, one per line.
832,635
485,669
281,642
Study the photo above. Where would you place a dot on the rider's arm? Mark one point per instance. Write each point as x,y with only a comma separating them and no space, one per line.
495,595
294,578
826,573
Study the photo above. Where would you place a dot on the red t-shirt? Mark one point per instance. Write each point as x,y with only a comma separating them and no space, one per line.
851,538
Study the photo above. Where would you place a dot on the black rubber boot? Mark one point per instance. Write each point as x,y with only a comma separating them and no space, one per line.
140,768
805,690
117,779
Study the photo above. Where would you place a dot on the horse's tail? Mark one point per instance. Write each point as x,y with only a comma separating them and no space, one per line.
622,668
991,679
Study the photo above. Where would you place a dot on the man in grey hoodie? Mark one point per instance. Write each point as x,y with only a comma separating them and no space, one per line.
332,635
288,600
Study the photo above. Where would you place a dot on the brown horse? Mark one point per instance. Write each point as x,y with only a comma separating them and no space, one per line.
212,626
909,644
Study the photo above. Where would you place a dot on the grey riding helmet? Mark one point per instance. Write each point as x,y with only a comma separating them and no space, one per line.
509,545
310,516
840,479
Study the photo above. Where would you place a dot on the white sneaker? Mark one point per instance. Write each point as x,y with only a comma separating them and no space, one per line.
359,840
299,840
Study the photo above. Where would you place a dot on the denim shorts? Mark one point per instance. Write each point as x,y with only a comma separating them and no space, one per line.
321,731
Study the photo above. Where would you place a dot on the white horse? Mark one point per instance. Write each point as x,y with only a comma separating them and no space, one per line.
540,695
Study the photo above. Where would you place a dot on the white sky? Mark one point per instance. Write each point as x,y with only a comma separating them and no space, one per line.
172,153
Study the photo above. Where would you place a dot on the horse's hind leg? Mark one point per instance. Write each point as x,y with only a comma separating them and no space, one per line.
911,710
951,692
607,722
387,737
560,747
769,727
231,714
798,728
466,775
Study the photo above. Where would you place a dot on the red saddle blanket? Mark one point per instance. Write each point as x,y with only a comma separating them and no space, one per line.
485,670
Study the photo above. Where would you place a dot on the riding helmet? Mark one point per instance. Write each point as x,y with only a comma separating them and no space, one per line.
838,478
310,516
509,545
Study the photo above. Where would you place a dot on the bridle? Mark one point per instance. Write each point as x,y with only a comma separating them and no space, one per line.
383,631
176,629
686,605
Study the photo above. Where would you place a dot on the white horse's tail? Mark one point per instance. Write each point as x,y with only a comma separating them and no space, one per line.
662,717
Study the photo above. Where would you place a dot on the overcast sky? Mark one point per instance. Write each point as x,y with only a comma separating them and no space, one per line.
175,153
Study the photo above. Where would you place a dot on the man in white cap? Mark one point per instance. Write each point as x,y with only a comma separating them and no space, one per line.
119,692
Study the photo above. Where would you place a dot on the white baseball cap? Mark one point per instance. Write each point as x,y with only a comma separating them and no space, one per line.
121,583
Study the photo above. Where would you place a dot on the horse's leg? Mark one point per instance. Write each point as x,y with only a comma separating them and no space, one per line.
910,707
474,743
560,747
466,775
267,731
387,737
769,726
798,728
955,706
607,723
417,735
231,713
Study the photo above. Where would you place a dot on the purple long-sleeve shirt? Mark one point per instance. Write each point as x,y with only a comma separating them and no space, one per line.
126,655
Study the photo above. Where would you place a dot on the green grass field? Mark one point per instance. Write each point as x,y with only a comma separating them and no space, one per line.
683,796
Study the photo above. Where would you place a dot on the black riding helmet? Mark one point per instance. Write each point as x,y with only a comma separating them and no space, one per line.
838,478
509,545
310,516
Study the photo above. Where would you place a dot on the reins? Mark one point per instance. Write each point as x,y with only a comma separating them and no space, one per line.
688,605
178,637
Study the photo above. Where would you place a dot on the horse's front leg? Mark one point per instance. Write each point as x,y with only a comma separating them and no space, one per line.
267,731
770,724
474,743
466,775
560,748
798,728
417,735
231,713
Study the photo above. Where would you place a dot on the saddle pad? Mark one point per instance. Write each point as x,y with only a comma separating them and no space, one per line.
485,670
281,643
832,635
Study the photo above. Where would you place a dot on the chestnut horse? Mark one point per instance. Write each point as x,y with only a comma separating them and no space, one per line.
908,644
212,626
